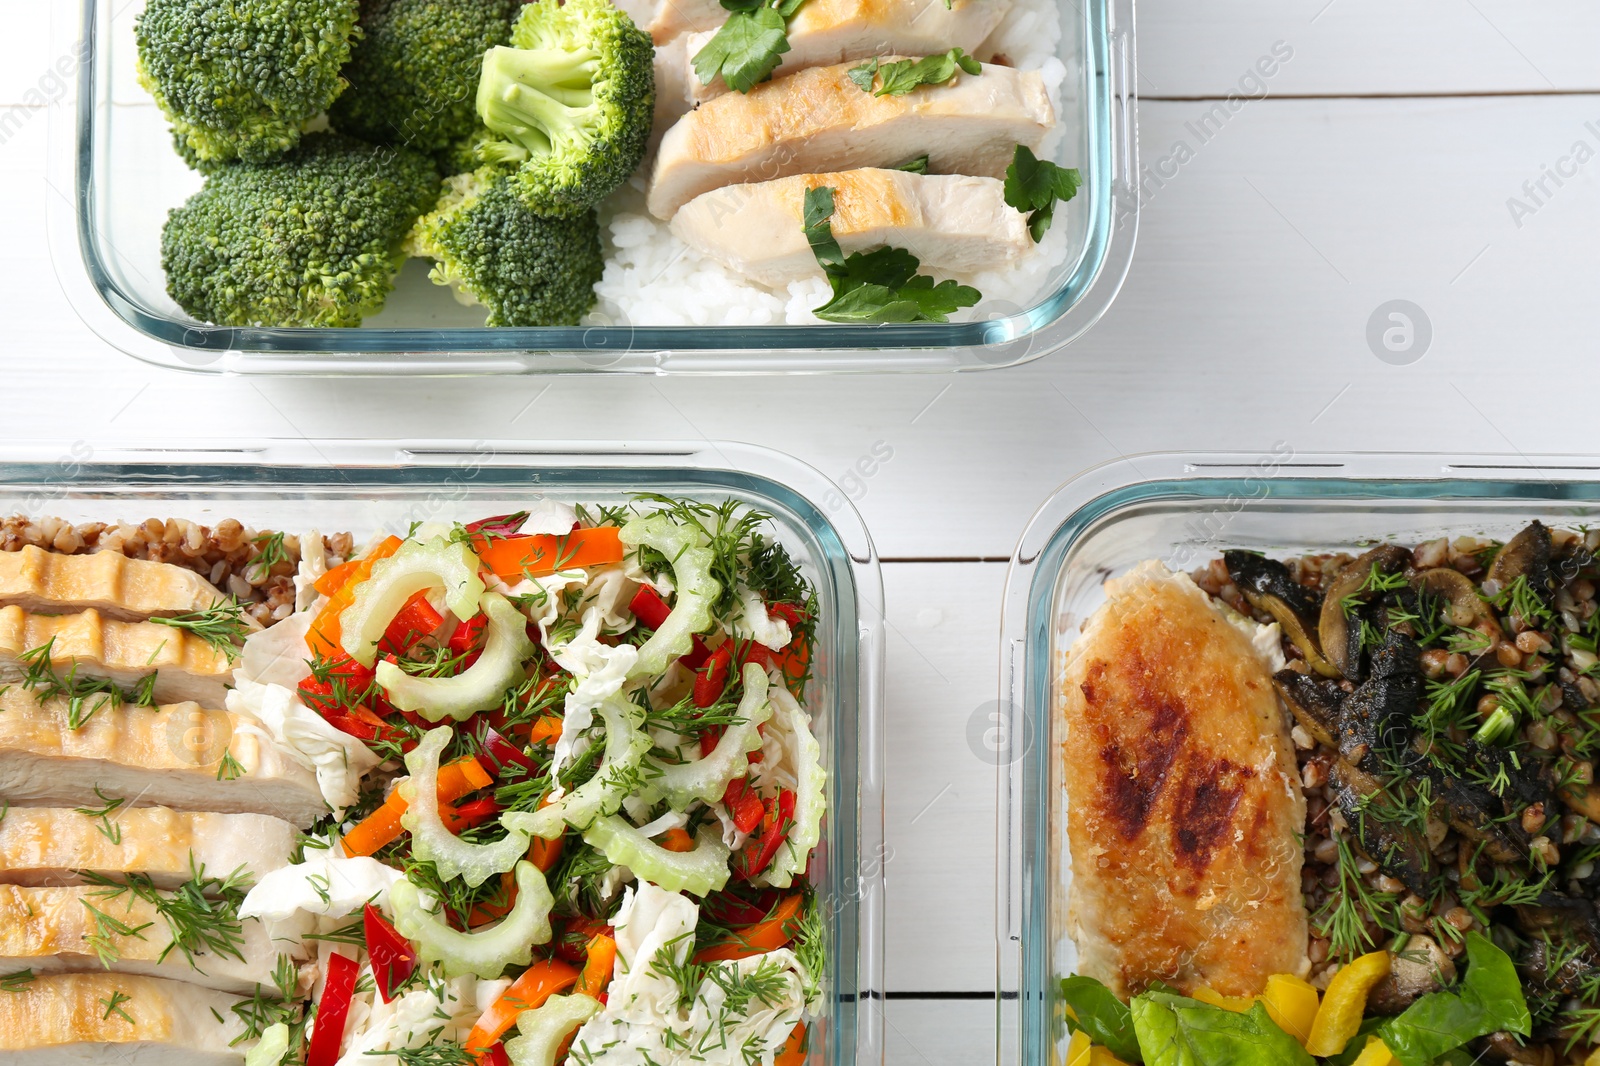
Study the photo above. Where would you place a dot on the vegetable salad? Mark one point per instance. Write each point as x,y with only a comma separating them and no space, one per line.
576,795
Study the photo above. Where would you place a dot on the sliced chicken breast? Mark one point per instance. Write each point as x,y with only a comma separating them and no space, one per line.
186,667
953,224
53,930
818,120
110,582
823,32
673,18
89,1019
1184,809
50,845
170,756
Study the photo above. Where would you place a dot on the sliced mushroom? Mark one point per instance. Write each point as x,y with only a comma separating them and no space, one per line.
1267,584
1375,720
1564,970
1558,912
1475,813
1526,555
1422,966
1340,640
1399,849
1465,608
1315,703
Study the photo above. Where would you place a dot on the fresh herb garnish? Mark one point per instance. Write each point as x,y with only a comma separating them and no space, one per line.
918,165
112,831
16,982
269,550
222,626
1034,186
106,929
903,75
749,45
85,695
202,914
229,769
114,1006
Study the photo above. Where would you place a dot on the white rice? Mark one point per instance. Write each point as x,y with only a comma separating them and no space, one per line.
653,278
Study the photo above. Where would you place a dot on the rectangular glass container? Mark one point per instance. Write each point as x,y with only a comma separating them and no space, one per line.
362,487
110,144
1185,510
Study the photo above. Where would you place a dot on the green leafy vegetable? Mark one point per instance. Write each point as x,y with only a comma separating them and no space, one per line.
746,49
1102,1015
1035,185
1488,1000
902,76
1178,1031
877,286
918,165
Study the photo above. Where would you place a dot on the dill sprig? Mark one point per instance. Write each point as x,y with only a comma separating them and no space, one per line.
229,769
85,695
106,930
269,550
112,831
432,1054
202,914
222,626
16,982
114,1006
1343,918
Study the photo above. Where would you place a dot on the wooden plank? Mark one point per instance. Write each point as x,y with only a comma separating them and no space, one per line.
939,1032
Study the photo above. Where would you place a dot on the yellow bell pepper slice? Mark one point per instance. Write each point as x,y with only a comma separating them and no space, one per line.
1345,1001
1078,1049
1237,1004
1291,1003
1593,1059
1101,1056
1376,1053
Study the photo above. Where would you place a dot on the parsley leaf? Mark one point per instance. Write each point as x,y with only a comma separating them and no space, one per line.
918,165
902,76
1035,185
877,286
746,48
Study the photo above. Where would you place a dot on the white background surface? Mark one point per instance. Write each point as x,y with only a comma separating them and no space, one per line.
1378,167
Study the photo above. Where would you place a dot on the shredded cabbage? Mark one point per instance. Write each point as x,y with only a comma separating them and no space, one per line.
328,882
803,757
544,1028
485,954
270,1048
613,780
430,840
430,564
703,870
707,779
691,560
480,686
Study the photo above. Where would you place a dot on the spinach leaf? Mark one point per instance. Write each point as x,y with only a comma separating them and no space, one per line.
1178,1031
904,75
1488,999
1102,1015
1035,185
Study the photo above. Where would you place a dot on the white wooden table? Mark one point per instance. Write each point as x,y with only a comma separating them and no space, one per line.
1378,166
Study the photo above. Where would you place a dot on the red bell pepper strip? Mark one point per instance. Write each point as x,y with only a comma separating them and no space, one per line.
573,943
416,619
759,850
499,753
731,911
470,815
744,805
500,525
712,679
648,607
393,958
332,1010
495,1055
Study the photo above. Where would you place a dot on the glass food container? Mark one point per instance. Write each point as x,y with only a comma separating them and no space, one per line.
362,487
111,146
1185,510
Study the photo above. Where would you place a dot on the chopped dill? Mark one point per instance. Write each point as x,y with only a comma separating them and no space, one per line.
221,626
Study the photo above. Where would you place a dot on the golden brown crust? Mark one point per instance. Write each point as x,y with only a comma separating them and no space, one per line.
186,667
1184,807
66,1009
110,582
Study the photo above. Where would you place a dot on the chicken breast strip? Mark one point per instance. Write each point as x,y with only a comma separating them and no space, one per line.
1184,808
119,1020
953,224
824,32
50,845
54,930
818,120
110,582
186,667
170,756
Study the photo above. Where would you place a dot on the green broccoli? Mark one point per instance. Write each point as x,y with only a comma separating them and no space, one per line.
312,238
414,73
575,93
240,79
528,270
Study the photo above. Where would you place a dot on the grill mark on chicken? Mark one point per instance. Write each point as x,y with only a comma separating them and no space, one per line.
1209,792
1135,774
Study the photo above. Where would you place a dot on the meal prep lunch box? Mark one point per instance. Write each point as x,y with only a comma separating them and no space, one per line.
1185,510
111,147
363,487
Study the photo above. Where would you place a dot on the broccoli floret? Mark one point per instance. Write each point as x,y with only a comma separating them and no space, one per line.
414,73
240,79
576,92
312,238
528,270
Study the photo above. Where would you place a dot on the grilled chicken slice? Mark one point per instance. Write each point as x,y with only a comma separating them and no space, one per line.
818,120
186,667
126,589
1183,802
833,31
155,756
952,223
49,845
674,18
53,930
89,1019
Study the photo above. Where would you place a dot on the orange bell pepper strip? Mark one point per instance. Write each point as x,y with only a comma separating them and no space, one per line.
544,553
545,730
597,970
326,628
498,906
538,982
546,853
764,936
794,1051
456,779
677,840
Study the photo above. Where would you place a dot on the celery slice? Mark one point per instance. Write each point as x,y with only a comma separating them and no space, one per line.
707,779
481,686
484,954
703,870
691,560
270,1048
615,779
811,791
431,564
430,840
544,1028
